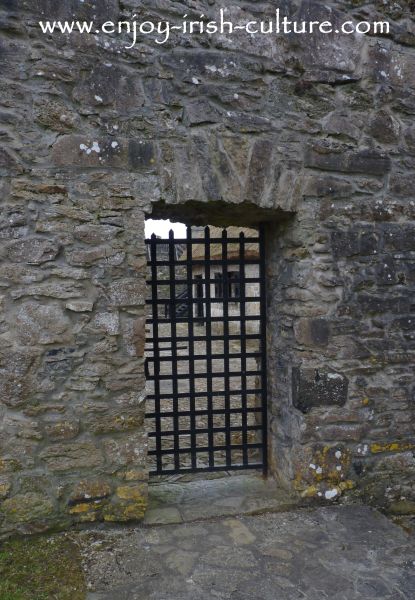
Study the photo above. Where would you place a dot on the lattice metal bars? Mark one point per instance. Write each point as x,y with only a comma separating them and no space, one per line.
206,353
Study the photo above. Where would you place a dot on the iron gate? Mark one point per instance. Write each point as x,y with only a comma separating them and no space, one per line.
206,353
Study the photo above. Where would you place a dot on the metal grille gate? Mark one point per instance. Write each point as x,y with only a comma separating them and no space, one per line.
206,353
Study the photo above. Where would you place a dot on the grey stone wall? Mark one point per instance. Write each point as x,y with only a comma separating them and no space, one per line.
314,136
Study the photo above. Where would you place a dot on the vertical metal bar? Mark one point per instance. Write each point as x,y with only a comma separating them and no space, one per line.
209,378
263,329
225,282
156,349
173,325
191,353
242,313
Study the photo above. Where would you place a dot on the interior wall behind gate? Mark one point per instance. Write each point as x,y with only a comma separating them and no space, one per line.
317,139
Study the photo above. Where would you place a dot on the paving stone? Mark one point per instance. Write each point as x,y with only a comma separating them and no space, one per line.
162,516
340,553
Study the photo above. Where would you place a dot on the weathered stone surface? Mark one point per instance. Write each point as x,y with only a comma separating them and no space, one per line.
59,429
127,292
335,158
15,376
24,508
95,234
108,85
384,128
54,114
46,9
89,491
313,387
311,135
313,332
112,152
73,456
200,112
80,306
128,420
5,487
195,560
42,324
58,289
32,251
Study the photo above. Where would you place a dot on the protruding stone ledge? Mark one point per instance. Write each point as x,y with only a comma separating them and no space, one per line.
314,387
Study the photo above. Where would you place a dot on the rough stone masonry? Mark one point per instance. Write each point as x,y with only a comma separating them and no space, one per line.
313,135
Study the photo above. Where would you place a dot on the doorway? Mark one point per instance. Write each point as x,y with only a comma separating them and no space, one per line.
206,351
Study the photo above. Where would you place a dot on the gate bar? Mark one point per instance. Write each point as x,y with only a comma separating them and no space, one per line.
264,383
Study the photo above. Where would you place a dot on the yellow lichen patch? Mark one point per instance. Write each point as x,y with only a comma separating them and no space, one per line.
391,447
365,401
134,475
320,468
8,465
4,489
347,485
131,492
80,508
133,511
134,501
90,490
130,422
309,492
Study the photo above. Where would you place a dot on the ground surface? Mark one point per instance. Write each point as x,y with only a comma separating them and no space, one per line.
41,568
336,553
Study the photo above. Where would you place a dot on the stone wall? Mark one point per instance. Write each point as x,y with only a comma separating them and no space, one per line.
314,137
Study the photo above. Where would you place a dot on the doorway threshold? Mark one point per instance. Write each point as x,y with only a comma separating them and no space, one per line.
181,501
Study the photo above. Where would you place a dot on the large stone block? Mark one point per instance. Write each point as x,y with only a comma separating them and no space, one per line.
25,508
55,289
312,332
329,157
393,67
92,233
127,292
316,387
72,456
16,376
111,152
89,491
109,85
324,57
59,429
33,251
9,163
42,324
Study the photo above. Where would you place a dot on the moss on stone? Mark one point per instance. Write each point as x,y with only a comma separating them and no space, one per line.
41,568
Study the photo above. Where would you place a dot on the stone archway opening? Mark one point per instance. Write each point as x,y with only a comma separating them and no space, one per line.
249,218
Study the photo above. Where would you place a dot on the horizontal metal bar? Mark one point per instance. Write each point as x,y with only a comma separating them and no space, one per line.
202,261
203,357
200,413
204,449
215,375
186,395
237,467
212,320
180,241
234,428
217,300
202,338
165,282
